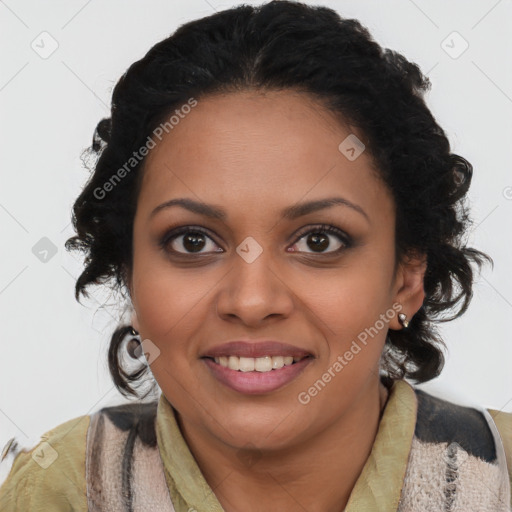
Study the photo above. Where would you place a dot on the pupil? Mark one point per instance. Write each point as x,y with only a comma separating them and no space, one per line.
193,242
319,241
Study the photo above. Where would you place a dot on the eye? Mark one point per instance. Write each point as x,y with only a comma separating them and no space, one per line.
196,240
189,240
319,239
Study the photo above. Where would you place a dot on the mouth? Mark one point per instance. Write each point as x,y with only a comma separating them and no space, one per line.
256,376
263,364
256,366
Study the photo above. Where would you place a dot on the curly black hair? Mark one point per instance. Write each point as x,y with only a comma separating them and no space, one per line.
290,45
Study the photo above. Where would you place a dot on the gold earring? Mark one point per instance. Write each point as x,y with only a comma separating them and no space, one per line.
402,318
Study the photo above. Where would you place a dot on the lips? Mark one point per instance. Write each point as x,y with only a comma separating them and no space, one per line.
255,349
256,382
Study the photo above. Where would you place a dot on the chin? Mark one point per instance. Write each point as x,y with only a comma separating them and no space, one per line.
264,432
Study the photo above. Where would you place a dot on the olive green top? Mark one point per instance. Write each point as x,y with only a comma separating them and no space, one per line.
59,483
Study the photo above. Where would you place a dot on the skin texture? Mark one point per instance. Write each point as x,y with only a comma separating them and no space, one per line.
254,154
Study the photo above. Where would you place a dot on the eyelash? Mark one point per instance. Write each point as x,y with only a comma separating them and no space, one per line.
321,228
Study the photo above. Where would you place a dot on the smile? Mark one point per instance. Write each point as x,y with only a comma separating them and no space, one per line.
258,364
256,375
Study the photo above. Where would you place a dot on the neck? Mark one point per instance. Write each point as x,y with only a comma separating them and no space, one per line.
317,475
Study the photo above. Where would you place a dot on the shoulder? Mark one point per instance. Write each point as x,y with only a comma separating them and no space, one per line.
470,440
50,475
443,421
117,428
503,422
137,418
124,469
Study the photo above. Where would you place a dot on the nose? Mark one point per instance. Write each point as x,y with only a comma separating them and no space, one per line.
254,292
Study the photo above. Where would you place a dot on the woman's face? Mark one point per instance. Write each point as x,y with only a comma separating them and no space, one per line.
255,274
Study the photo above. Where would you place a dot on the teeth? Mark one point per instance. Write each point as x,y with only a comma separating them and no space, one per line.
277,362
259,364
246,364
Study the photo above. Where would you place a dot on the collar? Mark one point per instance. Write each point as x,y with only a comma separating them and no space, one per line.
378,487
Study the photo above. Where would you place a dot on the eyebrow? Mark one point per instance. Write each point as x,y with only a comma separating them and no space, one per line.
290,213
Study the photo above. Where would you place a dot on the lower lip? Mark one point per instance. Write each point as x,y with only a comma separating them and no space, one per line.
254,382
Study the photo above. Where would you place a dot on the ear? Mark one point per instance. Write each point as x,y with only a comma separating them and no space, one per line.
409,286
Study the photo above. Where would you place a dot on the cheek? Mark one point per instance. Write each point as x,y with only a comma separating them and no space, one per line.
173,306
161,297
353,299
352,306
167,302
170,313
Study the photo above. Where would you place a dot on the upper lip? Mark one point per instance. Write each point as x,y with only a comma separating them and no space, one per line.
255,349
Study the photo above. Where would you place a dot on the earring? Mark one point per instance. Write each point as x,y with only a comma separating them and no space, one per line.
402,318
133,345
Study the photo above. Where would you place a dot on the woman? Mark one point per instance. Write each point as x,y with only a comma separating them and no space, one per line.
286,218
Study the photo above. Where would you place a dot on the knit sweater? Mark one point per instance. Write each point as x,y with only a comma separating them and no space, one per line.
429,454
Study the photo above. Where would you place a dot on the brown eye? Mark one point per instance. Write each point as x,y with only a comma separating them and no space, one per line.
189,241
322,240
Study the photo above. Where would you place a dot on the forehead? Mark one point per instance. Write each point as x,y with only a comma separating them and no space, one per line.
241,148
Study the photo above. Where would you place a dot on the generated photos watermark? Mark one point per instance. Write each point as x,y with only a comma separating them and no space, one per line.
142,152
304,397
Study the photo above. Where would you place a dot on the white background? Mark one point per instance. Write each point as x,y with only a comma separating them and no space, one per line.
54,350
